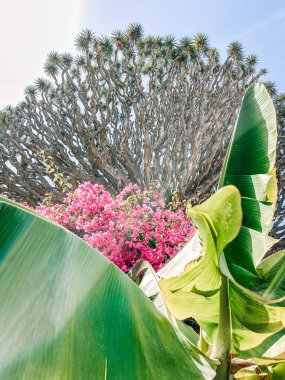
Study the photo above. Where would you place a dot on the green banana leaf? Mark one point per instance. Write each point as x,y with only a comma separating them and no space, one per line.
66,312
249,166
150,286
272,347
277,349
195,293
256,285
263,370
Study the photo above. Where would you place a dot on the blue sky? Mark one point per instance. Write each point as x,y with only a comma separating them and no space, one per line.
29,29
258,24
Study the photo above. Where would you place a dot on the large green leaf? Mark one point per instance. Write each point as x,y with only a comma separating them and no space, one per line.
150,286
252,321
272,347
256,283
252,150
190,253
249,166
195,293
68,313
256,286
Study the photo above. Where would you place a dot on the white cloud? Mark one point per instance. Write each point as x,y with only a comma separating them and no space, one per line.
29,30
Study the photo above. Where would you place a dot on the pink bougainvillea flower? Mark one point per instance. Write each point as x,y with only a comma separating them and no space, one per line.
132,226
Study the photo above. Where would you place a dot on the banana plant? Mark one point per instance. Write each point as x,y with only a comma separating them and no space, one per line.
262,369
66,312
235,292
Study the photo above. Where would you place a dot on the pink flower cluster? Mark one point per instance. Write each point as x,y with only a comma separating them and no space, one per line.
132,226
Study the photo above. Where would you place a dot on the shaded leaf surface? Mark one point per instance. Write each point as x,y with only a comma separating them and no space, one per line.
69,313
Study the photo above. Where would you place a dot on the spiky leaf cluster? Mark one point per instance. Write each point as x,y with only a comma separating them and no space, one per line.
127,108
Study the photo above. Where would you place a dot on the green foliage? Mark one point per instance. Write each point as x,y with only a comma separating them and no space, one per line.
256,288
74,315
58,178
68,312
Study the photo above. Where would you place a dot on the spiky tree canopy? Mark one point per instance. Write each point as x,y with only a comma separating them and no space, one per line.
126,108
